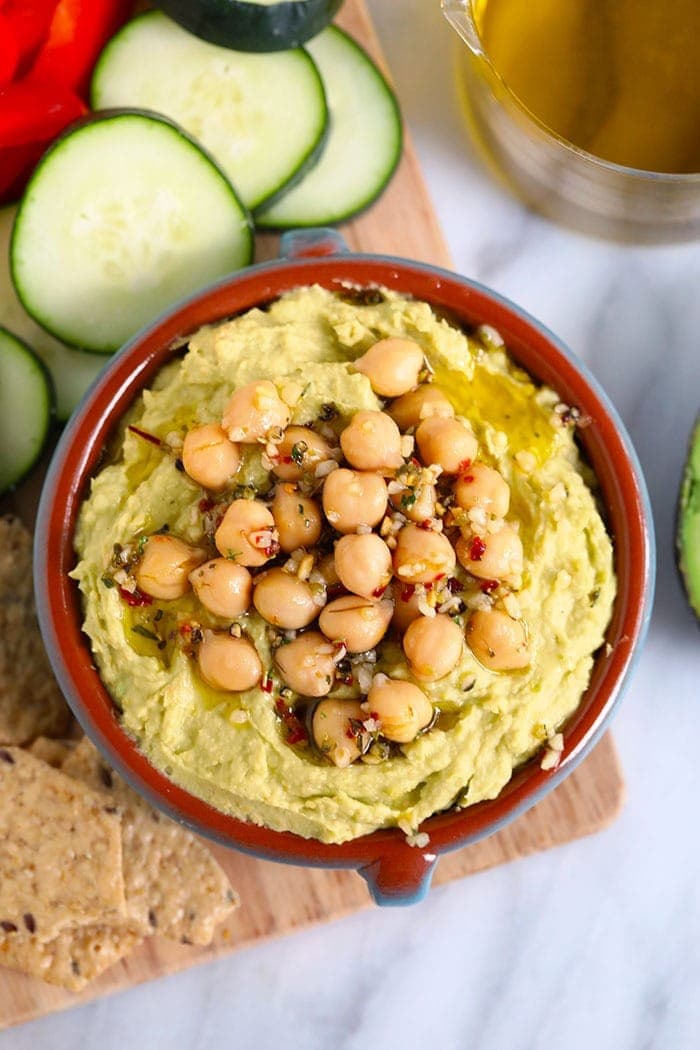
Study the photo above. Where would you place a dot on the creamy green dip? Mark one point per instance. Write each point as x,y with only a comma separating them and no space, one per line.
231,748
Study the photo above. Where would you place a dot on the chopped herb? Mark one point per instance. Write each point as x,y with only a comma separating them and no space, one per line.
144,632
162,529
298,451
328,412
232,555
408,499
158,616
108,581
300,508
179,465
141,546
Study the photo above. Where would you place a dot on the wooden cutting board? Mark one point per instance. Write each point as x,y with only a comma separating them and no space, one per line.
277,899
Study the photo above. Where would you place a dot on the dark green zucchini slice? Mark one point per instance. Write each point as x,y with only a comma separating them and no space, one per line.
252,25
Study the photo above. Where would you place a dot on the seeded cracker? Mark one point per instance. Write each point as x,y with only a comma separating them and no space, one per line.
60,852
53,752
172,883
31,703
74,958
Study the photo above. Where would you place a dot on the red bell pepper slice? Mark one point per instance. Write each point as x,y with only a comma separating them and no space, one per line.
16,165
28,21
9,51
34,111
79,30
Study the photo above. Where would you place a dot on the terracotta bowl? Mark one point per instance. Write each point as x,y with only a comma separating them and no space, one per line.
395,872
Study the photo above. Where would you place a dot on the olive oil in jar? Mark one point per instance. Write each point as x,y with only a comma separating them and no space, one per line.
617,78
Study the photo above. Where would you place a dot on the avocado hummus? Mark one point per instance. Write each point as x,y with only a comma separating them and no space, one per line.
251,752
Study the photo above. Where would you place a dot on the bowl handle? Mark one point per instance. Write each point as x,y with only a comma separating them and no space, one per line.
400,877
311,244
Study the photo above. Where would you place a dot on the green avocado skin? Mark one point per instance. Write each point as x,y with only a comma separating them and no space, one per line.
689,523
246,26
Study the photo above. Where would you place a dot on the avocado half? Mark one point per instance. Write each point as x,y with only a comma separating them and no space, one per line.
689,523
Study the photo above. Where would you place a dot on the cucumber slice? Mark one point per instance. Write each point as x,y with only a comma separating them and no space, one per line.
26,408
124,216
262,117
364,145
253,25
688,530
72,371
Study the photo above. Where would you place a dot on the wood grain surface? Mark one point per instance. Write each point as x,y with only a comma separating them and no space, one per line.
278,899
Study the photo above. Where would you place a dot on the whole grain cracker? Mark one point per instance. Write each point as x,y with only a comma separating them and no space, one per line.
31,704
172,882
72,959
60,851
53,752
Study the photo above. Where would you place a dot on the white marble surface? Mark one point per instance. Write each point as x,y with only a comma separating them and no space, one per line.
594,944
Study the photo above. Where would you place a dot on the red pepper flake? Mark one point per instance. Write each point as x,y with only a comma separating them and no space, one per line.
145,435
378,591
296,734
347,679
440,576
407,592
266,684
453,585
463,469
287,459
468,478
375,716
426,524
488,585
135,598
477,549
415,461
206,505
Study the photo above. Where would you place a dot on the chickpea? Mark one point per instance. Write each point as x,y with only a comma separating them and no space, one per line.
301,449
223,587
326,569
363,564
445,441
284,600
411,409
209,457
228,663
359,623
417,504
331,730
298,518
352,498
253,411
372,441
306,664
482,486
405,608
497,641
402,708
433,646
392,366
500,555
247,533
164,569
422,554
